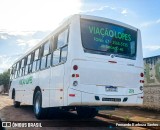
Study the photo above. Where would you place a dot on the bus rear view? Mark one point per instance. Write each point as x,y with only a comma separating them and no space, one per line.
86,63
108,64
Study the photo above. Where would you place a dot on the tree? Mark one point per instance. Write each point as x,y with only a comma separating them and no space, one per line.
4,80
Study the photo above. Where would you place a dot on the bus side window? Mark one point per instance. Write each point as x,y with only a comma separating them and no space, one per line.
11,73
45,55
56,57
22,68
26,69
62,39
15,72
60,55
20,72
43,62
48,60
36,60
64,51
28,62
37,64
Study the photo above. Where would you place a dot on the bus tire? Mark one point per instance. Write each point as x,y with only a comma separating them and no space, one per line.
16,104
86,112
39,112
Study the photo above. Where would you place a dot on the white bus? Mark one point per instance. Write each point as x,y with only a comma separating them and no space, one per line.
86,63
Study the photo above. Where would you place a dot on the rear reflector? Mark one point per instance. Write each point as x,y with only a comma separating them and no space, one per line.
112,61
73,75
141,81
77,75
72,95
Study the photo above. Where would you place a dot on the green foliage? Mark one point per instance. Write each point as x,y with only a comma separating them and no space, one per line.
4,78
127,118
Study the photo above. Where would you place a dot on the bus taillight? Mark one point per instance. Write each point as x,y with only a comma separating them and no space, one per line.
141,81
72,95
75,75
141,74
75,67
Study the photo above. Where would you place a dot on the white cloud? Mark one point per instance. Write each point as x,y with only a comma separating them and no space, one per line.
27,44
150,23
32,43
124,12
35,15
115,9
21,42
4,37
95,9
147,24
22,33
5,62
152,47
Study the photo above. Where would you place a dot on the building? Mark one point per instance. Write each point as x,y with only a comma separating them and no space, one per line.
152,82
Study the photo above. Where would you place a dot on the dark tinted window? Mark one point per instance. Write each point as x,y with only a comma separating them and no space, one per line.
105,38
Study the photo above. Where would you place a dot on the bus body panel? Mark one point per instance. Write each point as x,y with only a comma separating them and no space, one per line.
27,87
56,87
44,84
18,90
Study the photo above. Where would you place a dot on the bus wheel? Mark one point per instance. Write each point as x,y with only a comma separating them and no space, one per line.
39,112
16,104
86,112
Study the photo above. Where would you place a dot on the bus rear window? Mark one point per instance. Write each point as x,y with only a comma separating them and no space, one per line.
106,38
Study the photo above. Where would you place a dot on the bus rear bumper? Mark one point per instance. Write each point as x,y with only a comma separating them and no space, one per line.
89,99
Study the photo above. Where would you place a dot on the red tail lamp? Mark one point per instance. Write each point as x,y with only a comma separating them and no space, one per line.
141,74
75,67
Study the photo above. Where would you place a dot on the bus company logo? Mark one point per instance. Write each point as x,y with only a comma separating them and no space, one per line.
26,81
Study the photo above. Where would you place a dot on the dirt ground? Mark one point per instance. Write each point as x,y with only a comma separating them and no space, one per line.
64,121
8,112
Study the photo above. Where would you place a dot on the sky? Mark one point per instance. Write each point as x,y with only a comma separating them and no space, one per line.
23,23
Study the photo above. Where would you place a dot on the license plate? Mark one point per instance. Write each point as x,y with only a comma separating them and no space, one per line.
111,89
